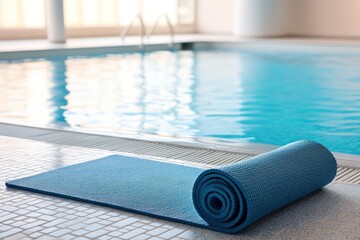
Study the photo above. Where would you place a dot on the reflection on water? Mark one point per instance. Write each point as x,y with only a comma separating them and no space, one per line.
58,91
244,96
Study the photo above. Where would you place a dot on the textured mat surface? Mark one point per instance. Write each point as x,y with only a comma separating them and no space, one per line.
226,199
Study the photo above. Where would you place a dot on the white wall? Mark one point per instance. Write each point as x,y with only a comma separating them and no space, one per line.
261,18
215,16
243,17
316,18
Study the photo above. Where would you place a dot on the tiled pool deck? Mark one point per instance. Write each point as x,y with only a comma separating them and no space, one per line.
332,213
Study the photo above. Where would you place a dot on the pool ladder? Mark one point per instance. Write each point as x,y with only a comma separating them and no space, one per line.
125,32
142,30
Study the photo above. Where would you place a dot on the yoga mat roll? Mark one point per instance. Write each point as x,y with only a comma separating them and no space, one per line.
226,199
231,197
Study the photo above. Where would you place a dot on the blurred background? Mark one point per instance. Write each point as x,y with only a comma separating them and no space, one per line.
247,18
83,18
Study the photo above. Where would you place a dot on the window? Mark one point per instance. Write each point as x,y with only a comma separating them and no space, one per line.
22,14
26,18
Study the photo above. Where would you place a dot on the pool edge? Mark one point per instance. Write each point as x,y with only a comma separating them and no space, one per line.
17,130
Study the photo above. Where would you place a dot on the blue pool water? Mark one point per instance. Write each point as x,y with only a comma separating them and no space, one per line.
240,95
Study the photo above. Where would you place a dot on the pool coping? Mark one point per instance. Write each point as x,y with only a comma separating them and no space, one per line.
40,48
250,149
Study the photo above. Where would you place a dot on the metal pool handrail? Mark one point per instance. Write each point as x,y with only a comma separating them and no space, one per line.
142,30
171,28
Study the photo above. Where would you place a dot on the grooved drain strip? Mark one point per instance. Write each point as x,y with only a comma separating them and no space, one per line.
172,152
348,175
198,155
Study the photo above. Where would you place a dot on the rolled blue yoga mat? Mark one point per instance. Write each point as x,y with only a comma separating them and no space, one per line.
234,196
226,199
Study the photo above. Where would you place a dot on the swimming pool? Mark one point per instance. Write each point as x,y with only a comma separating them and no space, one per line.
243,95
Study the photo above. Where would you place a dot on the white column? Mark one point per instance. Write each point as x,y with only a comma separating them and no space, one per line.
55,21
261,18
